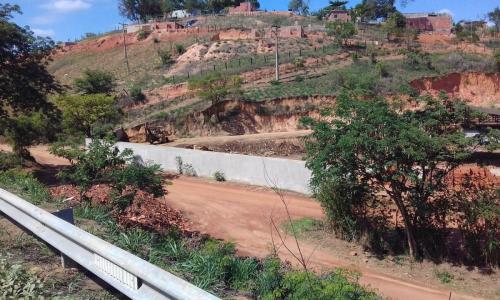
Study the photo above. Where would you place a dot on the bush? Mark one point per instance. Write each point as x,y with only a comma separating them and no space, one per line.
165,57
136,94
142,34
9,161
418,60
180,49
444,276
17,283
27,129
103,163
95,82
219,176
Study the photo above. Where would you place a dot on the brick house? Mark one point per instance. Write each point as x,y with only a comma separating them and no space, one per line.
340,15
244,7
438,23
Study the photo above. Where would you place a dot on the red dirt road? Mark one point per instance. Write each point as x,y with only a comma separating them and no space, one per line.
241,214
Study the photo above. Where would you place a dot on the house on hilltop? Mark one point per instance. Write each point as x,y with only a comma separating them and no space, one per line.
244,7
340,15
430,22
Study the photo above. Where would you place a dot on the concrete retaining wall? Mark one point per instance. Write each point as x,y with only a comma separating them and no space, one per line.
285,174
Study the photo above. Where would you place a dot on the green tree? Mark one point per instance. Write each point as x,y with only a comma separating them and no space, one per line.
334,5
371,155
216,86
494,17
24,82
342,31
395,24
82,113
299,7
374,9
141,10
95,82
26,129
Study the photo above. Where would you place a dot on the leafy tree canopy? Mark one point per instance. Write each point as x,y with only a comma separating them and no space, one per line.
299,6
216,86
494,16
95,82
82,113
370,155
24,81
342,31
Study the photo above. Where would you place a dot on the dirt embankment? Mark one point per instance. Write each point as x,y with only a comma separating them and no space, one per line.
235,117
480,89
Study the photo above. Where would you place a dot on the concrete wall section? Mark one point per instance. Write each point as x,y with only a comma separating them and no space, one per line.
286,174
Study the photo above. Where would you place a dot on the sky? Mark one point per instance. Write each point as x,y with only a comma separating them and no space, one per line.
65,20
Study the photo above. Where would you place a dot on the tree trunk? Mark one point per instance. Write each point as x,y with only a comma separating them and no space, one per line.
412,245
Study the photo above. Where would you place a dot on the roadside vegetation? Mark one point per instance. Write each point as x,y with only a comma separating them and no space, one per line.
208,263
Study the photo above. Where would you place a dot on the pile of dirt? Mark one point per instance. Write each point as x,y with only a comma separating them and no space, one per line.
290,148
480,89
98,194
149,213
145,211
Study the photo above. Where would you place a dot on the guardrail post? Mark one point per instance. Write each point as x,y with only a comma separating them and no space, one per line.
68,216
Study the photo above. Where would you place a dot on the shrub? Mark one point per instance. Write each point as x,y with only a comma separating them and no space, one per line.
219,176
136,94
382,69
298,62
95,82
180,49
17,283
418,60
9,161
143,34
103,163
165,57
215,87
27,129
444,276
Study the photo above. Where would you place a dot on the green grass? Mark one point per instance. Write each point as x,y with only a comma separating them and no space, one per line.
302,226
25,185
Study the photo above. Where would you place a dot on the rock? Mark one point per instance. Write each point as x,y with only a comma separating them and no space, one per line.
353,253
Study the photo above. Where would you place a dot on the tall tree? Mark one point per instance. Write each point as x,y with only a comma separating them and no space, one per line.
141,10
372,156
374,9
82,113
299,6
24,80
494,16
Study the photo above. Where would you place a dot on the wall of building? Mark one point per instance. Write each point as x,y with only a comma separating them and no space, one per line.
286,174
342,16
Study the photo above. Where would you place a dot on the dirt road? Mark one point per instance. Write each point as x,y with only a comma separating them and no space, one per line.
242,214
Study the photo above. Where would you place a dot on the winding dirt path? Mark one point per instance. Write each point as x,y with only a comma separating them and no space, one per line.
242,214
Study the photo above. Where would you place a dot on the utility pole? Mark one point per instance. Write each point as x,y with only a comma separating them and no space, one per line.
276,31
125,47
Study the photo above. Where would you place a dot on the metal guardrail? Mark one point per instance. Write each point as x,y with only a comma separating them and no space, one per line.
132,276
